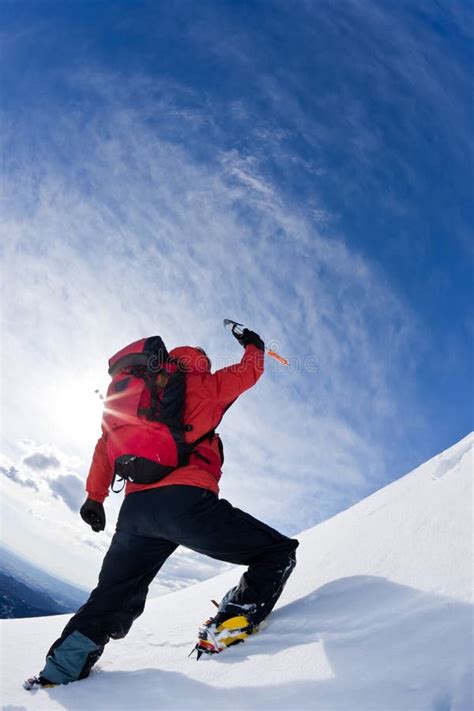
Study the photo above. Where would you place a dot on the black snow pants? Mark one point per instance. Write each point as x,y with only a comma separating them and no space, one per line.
151,525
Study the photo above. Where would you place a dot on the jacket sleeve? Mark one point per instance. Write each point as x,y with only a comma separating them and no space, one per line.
100,473
230,382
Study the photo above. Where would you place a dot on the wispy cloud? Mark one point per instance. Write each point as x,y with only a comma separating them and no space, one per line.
115,231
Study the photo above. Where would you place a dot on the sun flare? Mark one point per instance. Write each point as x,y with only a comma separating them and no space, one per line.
78,407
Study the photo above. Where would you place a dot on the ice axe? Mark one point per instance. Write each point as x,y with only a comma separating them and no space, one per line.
238,329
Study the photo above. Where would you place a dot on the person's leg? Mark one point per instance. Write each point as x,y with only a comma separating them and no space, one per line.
238,537
215,528
129,566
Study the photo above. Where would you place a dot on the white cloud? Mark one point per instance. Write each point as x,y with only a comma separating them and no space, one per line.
70,489
41,461
114,232
12,473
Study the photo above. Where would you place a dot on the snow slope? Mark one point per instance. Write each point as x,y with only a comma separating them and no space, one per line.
377,615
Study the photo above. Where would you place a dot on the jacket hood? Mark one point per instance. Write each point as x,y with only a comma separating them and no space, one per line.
192,359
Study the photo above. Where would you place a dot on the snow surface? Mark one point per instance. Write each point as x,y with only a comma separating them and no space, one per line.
377,615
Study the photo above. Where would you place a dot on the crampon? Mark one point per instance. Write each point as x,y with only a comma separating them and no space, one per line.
215,636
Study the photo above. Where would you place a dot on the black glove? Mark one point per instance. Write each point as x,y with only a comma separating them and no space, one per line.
92,512
247,338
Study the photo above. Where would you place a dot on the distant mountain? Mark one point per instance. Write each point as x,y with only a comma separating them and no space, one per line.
19,600
27,591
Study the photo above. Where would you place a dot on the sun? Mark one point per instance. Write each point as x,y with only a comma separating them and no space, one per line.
78,409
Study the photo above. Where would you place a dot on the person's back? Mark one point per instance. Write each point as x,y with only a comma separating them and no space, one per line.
183,508
208,396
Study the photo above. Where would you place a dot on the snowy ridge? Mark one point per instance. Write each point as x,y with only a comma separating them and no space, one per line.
377,615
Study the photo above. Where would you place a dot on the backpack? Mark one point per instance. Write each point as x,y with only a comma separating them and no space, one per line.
143,413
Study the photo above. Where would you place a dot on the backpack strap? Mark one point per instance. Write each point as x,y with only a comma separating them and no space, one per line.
124,481
200,440
154,383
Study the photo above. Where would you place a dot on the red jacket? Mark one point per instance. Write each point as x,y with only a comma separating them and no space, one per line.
208,396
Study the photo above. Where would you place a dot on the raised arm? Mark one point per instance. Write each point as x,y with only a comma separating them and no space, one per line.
230,382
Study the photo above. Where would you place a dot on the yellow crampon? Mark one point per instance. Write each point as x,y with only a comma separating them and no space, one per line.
213,640
236,629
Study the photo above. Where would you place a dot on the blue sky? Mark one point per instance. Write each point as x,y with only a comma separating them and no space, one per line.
302,166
